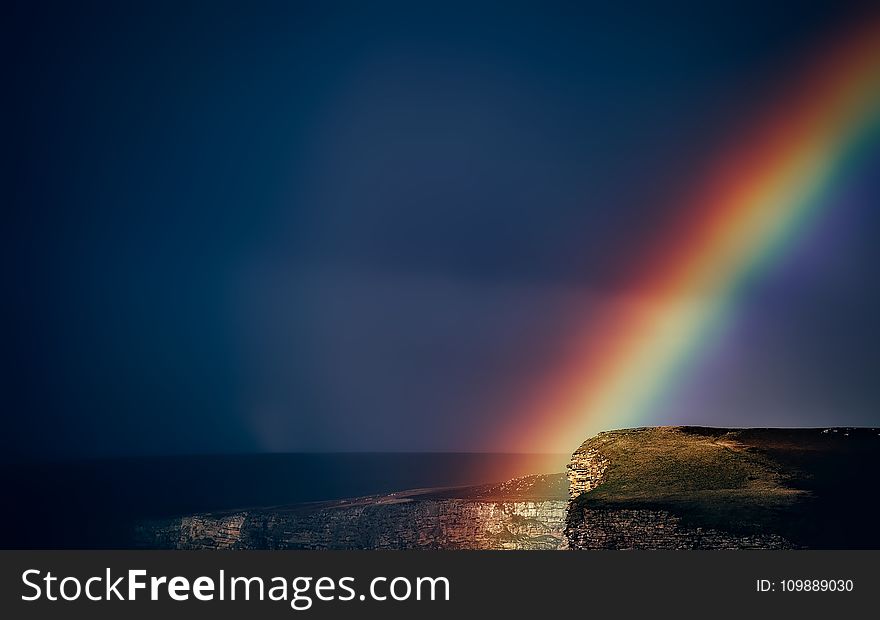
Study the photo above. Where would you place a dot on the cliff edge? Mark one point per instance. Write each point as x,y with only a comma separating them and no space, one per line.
523,513
715,488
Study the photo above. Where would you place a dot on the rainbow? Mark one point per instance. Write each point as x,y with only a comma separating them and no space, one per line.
758,200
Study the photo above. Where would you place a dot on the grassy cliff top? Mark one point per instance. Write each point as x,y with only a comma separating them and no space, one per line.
795,481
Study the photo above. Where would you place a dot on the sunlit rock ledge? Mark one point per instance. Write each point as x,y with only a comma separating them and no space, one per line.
716,488
524,513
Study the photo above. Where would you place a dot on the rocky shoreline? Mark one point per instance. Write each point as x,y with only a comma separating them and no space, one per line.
524,513
646,488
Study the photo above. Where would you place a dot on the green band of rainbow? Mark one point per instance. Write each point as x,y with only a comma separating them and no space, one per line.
759,202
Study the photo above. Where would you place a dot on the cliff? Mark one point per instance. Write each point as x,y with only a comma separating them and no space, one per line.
712,488
524,513
646,488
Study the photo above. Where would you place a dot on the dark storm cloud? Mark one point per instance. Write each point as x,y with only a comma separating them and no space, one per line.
379,361
342,226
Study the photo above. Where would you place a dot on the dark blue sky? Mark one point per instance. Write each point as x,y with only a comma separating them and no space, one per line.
370,226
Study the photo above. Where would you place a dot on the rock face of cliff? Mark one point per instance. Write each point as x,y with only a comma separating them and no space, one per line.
710,488
647,488
525,513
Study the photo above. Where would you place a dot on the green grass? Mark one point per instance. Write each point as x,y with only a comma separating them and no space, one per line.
707,479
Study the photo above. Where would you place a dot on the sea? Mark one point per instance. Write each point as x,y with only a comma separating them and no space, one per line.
93,504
